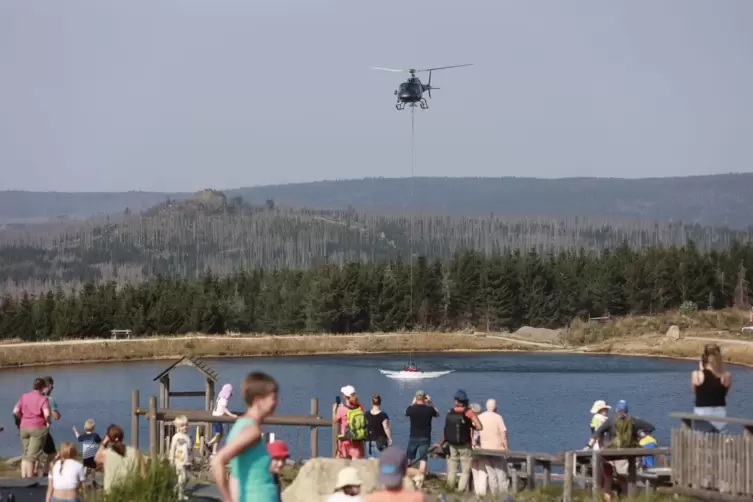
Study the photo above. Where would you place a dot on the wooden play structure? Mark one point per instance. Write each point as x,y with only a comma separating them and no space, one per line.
157,416
210,381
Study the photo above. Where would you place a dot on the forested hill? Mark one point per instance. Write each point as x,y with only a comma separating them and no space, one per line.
717,200
210,232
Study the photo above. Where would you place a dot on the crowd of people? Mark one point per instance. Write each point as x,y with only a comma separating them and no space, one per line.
465,426
246,468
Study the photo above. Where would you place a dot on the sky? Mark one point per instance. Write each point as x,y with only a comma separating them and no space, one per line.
180,95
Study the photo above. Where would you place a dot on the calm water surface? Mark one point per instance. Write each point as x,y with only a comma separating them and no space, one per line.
545,398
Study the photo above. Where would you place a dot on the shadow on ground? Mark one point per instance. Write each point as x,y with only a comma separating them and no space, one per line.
34,490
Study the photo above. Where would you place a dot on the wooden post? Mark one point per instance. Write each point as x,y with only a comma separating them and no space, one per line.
153,446
530,472
597,469
135,419
567,491
167,427
161,424
632,477
208,402
547,473
314,430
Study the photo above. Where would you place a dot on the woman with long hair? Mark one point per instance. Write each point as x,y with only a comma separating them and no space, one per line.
220,409
378,424
118,461
710,384
67,475
32,413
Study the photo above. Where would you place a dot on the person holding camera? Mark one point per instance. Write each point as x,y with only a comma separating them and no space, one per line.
420,412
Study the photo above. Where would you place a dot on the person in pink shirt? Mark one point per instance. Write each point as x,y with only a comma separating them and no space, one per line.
347,447
493,436
33,413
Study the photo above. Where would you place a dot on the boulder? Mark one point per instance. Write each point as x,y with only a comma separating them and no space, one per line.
316,479
673,333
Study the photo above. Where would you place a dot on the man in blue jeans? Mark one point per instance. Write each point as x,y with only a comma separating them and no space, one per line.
421,412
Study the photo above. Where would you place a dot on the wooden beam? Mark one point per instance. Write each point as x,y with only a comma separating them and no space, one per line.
206,416
192,393
521,456
690,417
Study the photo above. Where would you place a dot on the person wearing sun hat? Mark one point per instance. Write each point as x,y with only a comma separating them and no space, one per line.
347,487
393,468
600,411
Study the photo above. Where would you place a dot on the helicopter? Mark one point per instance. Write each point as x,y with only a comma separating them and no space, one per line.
411,91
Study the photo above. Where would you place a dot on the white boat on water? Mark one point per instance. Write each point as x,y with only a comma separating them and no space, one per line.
413,375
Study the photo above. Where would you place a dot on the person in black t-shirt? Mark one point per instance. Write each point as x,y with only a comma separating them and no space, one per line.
421,412
378,424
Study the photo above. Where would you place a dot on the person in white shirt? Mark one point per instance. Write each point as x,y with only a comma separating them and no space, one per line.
180,454
494,437
348,487
220,409
66,477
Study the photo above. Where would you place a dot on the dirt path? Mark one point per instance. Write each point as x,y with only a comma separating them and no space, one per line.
524,342
719,340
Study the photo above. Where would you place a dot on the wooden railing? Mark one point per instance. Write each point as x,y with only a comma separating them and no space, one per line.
705,462
154,415
525,465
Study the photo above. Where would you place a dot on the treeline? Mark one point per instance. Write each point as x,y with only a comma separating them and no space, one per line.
471,290
188,238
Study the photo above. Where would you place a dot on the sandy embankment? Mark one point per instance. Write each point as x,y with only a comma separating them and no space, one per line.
83,351
689,345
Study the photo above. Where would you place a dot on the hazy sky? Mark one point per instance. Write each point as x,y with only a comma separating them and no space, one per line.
186,94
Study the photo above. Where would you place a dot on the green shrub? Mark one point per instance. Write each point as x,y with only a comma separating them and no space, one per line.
158,486
688,308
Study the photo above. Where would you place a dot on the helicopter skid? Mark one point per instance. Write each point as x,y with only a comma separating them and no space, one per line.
422,103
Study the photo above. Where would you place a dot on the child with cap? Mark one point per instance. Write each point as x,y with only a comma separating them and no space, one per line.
278,452
348,486
393,467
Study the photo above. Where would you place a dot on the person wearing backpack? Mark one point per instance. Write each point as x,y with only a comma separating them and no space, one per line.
353,426
622,432
458,434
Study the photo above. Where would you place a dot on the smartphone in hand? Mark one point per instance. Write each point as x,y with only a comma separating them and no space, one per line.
337,399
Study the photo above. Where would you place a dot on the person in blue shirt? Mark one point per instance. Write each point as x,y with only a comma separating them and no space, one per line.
647,441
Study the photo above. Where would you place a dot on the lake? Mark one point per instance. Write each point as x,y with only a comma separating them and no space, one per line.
544,398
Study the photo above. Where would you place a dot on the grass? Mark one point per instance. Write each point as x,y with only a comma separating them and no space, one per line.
713,323
218,346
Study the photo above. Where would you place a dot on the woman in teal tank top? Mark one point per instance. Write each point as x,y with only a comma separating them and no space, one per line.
245,449
251,469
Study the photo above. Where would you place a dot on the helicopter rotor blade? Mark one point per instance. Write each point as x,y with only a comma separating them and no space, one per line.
444,67
390,69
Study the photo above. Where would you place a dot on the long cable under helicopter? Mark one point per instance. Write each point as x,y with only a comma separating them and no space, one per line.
412,194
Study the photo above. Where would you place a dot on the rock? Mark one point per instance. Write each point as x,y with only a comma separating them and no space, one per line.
13,461
316,479
673,333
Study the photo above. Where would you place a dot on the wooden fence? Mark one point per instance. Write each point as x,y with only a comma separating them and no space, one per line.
706,462
526,468
155,415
